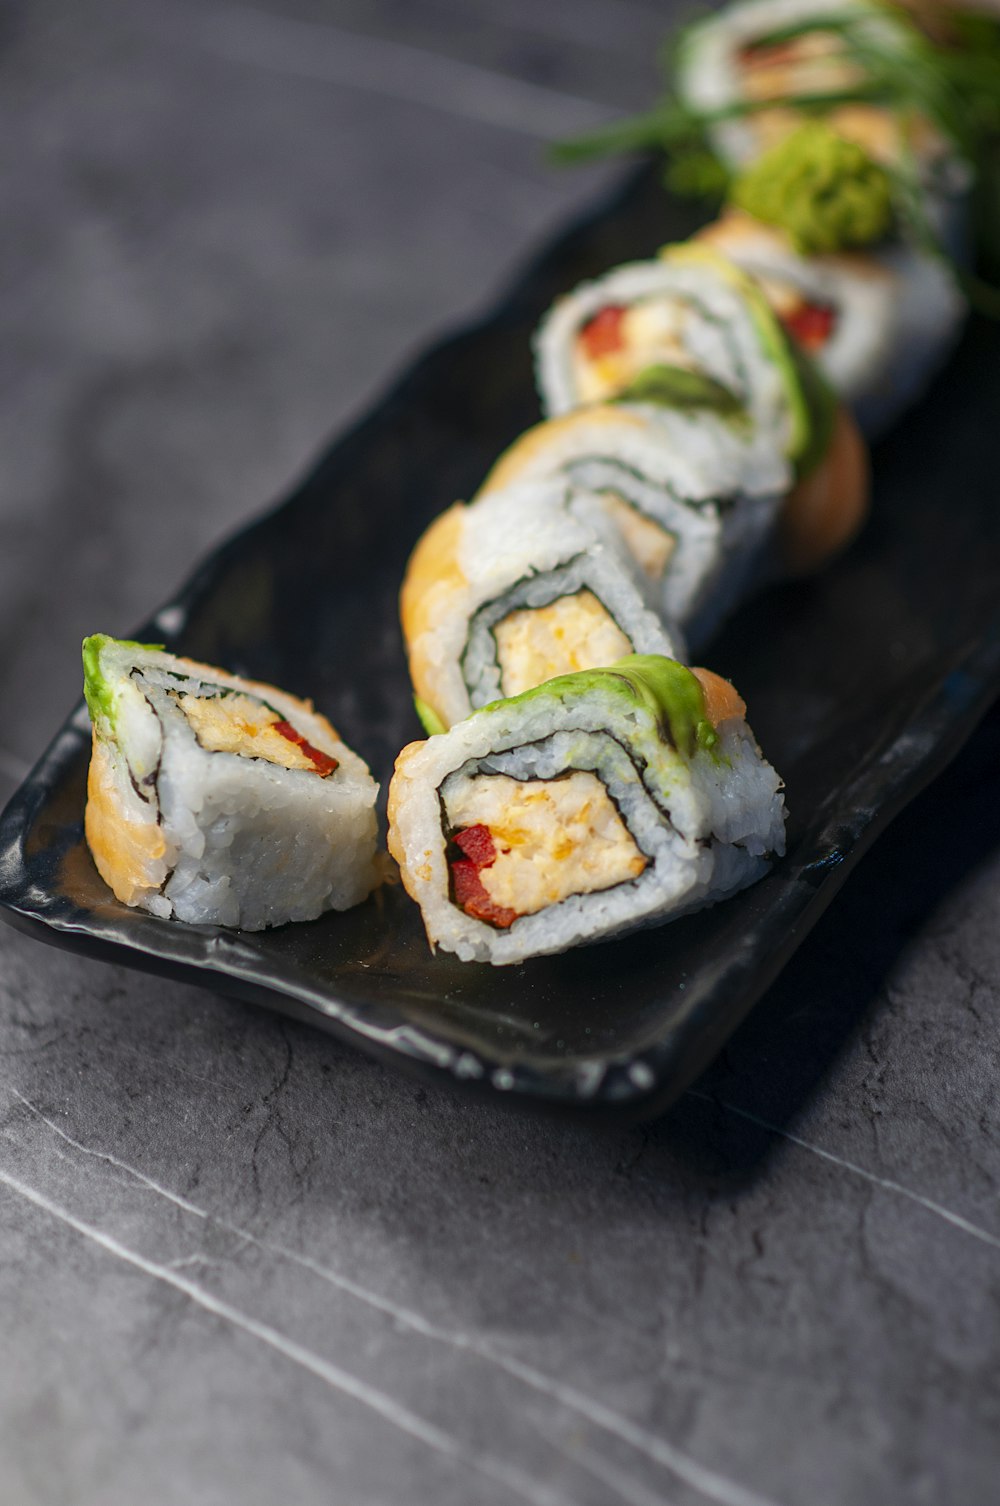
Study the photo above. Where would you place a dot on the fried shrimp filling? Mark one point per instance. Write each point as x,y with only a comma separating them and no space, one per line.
619,343
535,644
525,844
237,723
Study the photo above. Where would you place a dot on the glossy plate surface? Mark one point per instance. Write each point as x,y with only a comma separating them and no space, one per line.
861,686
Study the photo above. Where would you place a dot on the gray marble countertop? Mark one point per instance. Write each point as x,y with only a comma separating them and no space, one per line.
239,1263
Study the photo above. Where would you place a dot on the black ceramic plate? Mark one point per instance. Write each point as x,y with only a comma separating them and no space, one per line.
862,685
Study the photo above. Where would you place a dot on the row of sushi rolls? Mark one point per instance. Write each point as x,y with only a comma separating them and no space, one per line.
706,415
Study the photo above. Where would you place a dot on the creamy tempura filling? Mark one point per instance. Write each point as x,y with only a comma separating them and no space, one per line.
620,342
535,842
649,543
535,644
239,723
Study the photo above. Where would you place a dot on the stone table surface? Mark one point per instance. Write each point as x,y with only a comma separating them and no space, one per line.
238,1262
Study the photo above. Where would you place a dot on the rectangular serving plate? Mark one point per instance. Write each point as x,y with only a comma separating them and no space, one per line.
862,685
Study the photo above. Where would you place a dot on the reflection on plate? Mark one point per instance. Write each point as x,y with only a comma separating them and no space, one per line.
862,685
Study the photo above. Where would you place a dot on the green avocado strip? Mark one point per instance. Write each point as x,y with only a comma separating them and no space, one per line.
660,687
677,387
674,696
98,691
820,403
429,719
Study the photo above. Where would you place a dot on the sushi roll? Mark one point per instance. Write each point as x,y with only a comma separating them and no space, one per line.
738,55
217,800
595,804
878,323
693,497
526,583
687,330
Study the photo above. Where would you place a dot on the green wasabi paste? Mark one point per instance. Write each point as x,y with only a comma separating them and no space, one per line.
824,191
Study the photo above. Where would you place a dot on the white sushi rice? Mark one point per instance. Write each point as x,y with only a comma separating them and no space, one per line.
248,843
708,826
525,547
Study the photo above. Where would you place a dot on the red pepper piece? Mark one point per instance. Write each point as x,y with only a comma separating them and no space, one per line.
811,324
322,762
602,335
470,894
471,897
478,845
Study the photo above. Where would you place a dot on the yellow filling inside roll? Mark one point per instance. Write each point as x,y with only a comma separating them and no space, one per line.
553,837
536,643
240,724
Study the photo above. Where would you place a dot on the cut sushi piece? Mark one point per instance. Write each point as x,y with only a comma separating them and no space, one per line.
877,324
217,800
524,584
595,804
694,499
690,330
735,56
839,308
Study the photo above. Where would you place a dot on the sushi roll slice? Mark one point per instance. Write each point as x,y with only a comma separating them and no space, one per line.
878,324
688,330
732,56
694,498
217,800
595,804
524,584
